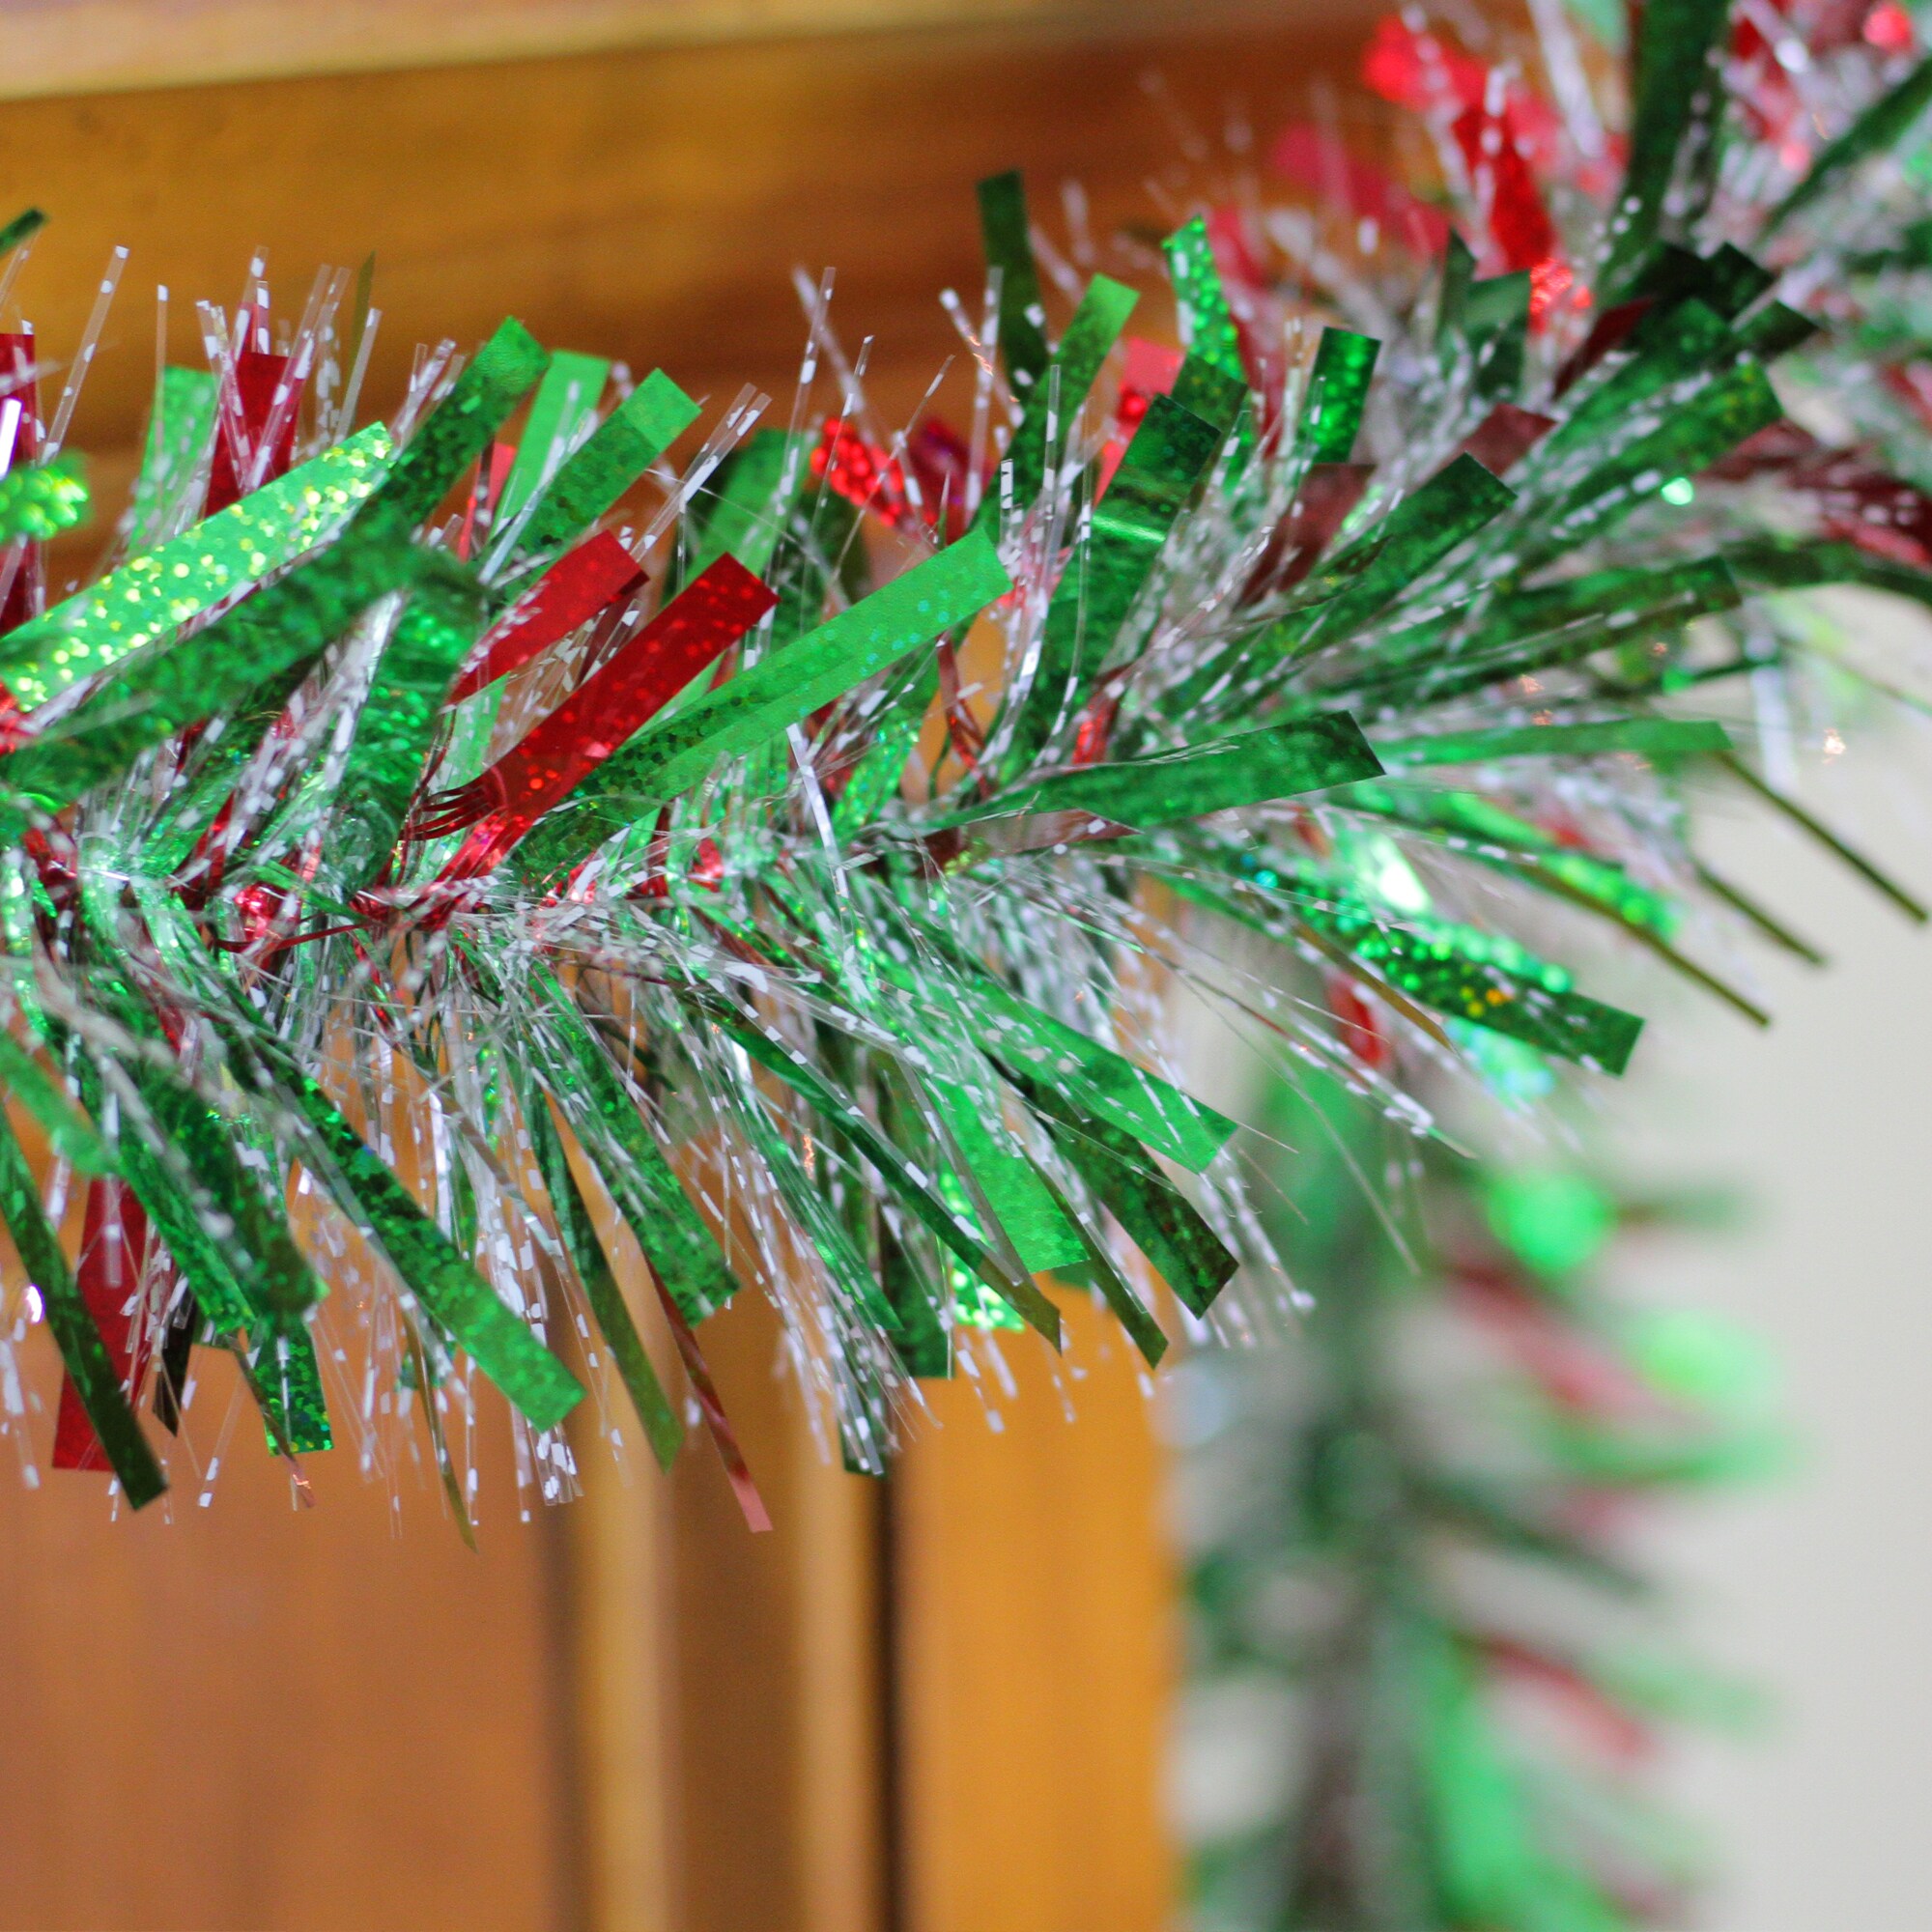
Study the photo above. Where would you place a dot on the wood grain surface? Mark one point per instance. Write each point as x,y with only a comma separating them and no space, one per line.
82,47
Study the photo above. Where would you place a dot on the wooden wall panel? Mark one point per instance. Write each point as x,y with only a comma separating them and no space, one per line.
1036,1632
69,46
250,1716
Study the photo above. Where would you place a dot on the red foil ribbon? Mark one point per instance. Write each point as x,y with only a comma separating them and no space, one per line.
579,586
113,1253
20,599
697,627
257,377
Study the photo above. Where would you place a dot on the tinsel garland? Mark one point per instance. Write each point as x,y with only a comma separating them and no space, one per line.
425,888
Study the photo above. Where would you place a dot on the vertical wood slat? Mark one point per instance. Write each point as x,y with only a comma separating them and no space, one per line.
1036,1659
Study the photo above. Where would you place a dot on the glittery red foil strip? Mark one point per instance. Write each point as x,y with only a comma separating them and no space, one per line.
113,1253
20,599
580,584
257,377
699,625
1520,225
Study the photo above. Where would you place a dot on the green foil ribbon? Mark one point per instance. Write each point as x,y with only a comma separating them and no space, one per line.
395,729
181,428
448,1288
1003,227
663,1426
1103,577
82,1350
1677,44
455,432
615,454
1250,768
566,398
1660,738
147,599
287,624
1160,1219
1336,395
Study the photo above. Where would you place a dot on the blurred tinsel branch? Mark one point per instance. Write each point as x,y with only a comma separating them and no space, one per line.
433,868
1428,1677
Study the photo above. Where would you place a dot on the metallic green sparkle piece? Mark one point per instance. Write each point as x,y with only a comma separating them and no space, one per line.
1250,768
565,398
760,702
663,1426
1675,89
618,451
181,428
289,622
1105,576
82,1350
448,1287
148,597
1207,324
394,731
1003,227
1647,737
1336,395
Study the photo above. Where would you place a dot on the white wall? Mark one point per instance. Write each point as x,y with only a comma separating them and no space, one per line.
1820,1586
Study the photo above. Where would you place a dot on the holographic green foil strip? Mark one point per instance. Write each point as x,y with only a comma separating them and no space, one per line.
395,729
181,428
1076,366
1251,768
1160,1219
576,1073
1097,591
78,1340
454,433
448,1287
286,624
1003,227
908,1187
663,1426
1096,1078
748,515
1676,43
566,398
1734,405
618,451
1337,393
70,1133
1207,324
1082,350
1648,737
151,596
1043,1233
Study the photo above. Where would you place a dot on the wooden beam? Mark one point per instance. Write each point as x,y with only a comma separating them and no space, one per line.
102,46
